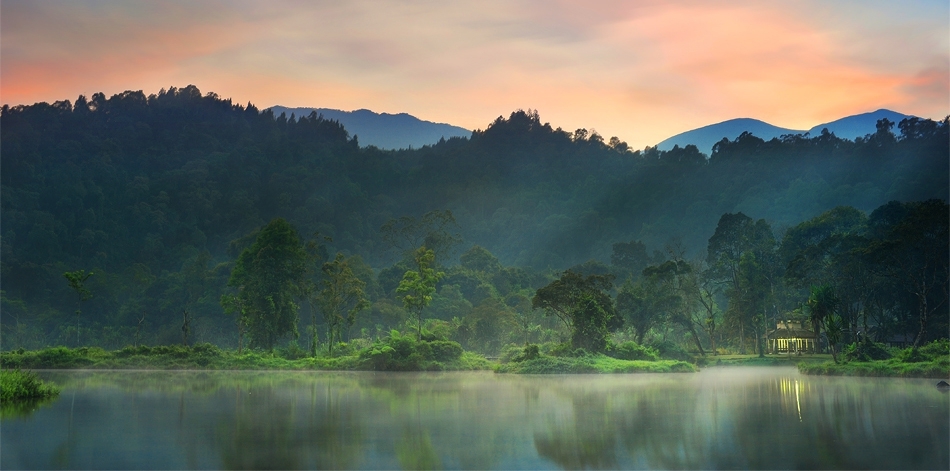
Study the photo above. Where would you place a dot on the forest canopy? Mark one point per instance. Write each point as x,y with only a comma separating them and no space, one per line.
159,195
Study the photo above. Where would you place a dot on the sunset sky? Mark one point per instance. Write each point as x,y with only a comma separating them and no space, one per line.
639,70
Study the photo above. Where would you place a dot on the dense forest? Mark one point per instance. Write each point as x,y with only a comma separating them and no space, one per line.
126,219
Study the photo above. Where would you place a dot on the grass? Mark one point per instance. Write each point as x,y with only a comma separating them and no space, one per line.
592,363
929,361
767,360
396,353
21,392
16,385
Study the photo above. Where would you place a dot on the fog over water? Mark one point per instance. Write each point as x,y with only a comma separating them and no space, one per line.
723,418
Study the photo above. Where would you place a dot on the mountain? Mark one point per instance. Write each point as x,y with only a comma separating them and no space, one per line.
383,130
705,137
858,125
850,127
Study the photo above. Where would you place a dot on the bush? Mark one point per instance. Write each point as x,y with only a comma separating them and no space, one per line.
516,354
509,352
563,349
632,351
866,351
445,350
668,350
291,352
16,385
406,354
937,349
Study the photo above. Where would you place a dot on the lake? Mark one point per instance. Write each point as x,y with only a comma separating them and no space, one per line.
720,418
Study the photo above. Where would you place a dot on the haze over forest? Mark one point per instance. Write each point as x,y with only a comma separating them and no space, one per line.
158,194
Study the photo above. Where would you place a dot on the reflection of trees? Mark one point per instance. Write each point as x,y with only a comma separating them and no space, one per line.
587,441
23,408
725,418
414,450
260,438
273,430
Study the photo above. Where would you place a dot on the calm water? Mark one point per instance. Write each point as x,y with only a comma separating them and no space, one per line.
730,418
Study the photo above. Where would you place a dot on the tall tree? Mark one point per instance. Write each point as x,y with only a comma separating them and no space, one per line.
823,311
268,276
419,285
583,306
632,304
341,298
911,247
736,235
77,281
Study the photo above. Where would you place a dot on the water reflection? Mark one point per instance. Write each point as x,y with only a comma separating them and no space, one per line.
718,419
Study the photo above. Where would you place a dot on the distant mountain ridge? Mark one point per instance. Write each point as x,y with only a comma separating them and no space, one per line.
849,127
383,130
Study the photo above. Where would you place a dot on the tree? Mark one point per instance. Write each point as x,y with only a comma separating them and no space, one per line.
581,303
268,276
676,290
633,306
436,230
736,235
629,258
419,285
823,311
911,246
341,298
77,281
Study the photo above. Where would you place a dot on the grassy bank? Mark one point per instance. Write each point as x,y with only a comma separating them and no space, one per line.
22,392
593,364
929,361
626,358
767,360
393,354
16,385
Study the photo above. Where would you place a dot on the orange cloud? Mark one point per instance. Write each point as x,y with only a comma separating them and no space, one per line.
640,70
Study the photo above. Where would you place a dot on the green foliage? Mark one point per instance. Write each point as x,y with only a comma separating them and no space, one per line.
158,193
929,361
515,353
669,350
632,351
340,299
16,385
399,353
268,276
583,305
418,285
866,351
585,364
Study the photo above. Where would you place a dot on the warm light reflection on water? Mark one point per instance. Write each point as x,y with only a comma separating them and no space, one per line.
721,418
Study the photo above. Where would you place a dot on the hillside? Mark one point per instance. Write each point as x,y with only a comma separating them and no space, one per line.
860,125
158,194
383,130
849,127
705,137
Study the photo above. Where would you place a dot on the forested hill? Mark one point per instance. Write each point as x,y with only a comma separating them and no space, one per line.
139,187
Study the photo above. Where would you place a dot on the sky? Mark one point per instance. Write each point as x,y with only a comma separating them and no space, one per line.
639,70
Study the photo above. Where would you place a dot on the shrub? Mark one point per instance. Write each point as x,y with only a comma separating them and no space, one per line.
510,351
291,352
559,349
516,354
668,350
866,351
632,351
936,350
445,350
16,385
